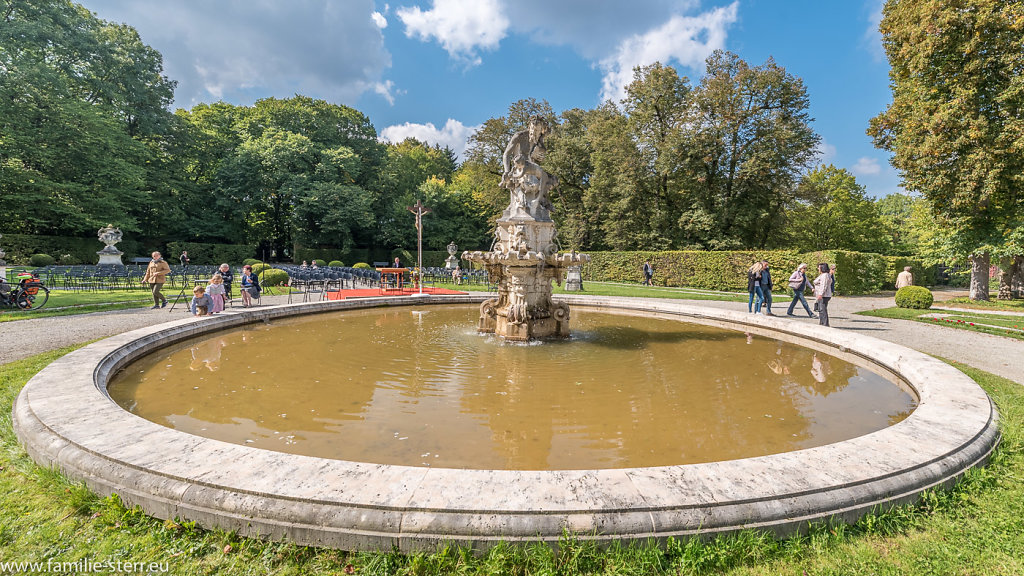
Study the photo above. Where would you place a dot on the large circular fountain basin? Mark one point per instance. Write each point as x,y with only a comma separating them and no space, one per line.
66,419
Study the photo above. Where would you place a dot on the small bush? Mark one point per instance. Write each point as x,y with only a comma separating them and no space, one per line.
251,261
916,297
361,265
320,263
336,264
260,266
40,260
273,277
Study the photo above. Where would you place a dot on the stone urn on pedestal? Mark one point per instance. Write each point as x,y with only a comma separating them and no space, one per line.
109,254
451,261
524,258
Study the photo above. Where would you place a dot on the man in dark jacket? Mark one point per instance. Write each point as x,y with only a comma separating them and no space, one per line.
766,287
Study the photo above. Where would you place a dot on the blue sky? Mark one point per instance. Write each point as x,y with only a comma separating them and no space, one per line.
436,69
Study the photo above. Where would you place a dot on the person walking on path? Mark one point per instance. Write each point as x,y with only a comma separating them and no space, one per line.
648,272
905,278
766,287
823,292
156,275
754,288
798,282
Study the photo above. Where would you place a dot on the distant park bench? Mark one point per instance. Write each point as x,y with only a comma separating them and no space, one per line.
381,264
140,261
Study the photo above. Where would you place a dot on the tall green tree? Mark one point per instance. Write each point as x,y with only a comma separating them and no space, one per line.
956,122
834,213
84,130
747,139
409,164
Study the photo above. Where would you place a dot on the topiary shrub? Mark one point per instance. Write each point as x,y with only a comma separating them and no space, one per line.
273,277
320,263
251,261
362,265
336,264
916,297
260,266
40,260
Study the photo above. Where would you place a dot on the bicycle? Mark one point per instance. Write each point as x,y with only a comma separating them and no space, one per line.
28,294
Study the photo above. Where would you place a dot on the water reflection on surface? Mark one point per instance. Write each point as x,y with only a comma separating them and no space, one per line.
420,387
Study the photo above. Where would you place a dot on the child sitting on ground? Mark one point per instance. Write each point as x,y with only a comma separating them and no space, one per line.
201,303
216,293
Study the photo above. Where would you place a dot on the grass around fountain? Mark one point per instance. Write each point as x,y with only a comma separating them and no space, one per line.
995,324
64,303
976,528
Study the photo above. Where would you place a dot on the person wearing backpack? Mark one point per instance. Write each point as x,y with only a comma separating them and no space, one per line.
798,282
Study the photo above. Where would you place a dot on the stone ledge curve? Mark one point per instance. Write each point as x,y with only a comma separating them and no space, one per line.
65,420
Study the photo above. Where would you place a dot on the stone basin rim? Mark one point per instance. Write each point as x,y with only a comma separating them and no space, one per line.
356,505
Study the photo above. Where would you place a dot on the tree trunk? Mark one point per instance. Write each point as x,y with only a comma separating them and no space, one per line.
1017,284
979,276
1006,270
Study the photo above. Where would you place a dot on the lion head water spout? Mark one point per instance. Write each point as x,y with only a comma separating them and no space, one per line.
524,258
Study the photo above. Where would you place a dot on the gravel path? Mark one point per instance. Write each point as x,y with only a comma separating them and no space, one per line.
995,354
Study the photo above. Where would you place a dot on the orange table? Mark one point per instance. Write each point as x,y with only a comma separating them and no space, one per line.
391,279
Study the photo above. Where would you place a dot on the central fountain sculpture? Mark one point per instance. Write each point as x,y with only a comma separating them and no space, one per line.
524,257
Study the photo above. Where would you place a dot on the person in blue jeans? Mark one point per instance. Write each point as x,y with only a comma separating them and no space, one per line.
754,287
766,287
798,282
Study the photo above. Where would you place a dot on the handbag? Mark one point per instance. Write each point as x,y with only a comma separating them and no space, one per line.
816,306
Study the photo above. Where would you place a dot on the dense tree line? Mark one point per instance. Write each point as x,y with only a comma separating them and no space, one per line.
87,138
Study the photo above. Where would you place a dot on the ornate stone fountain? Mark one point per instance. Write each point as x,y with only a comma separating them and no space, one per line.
524,258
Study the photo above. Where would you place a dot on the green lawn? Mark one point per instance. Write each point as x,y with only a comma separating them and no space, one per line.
1006,305
976,528
995,324
64,303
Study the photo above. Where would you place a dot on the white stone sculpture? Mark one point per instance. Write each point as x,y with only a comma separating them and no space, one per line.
524,258
109,236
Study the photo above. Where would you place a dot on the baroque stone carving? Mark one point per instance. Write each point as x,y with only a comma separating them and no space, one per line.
109,236
524,258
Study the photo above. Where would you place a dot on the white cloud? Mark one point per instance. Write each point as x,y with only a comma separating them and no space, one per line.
688,40
454,134
826,152
872,38
241,50
461,26
385,89
866,167
379,20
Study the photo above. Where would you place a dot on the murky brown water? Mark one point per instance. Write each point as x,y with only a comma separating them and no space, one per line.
420,387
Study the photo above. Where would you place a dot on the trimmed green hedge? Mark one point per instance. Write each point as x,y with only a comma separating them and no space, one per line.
336,264
64,249
202,253
273,277
856,272
433,258
916,297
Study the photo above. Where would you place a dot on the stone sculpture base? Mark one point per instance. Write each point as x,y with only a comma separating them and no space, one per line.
110,257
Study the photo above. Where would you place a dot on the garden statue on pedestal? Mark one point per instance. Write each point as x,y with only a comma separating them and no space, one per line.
451,262
524,258
109,254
